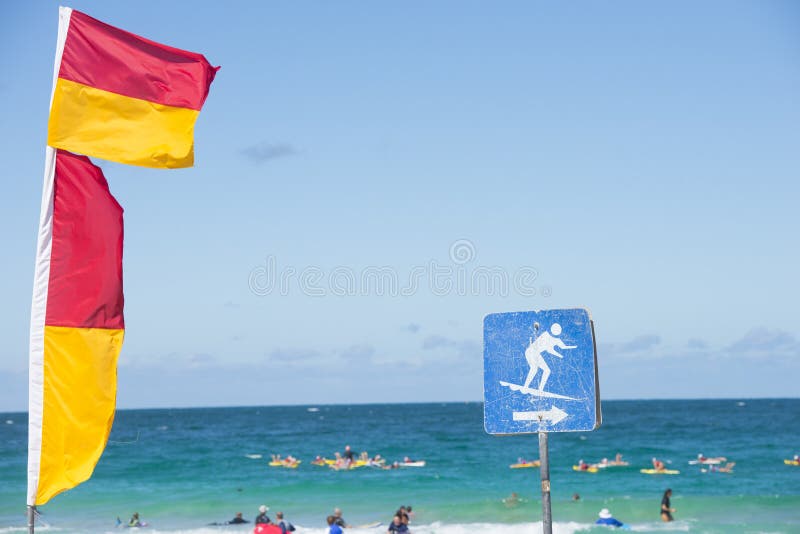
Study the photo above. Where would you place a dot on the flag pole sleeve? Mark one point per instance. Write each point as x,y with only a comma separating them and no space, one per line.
39,299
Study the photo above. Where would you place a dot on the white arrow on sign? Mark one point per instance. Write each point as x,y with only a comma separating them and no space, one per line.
553,415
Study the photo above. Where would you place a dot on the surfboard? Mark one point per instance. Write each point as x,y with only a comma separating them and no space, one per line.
283,464
589,470
791,462
660,471
534,392
523,465
611,464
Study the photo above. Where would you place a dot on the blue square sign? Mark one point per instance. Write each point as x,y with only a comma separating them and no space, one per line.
540,372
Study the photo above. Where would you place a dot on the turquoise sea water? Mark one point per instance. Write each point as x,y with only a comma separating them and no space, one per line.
184,468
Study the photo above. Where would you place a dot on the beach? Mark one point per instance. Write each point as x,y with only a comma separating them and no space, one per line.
182,469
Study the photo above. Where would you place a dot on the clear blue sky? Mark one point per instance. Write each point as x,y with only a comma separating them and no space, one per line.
642,157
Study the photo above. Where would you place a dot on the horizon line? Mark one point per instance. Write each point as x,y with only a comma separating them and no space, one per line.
314,405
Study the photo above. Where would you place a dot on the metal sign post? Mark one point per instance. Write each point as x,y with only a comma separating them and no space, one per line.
544,458
540,376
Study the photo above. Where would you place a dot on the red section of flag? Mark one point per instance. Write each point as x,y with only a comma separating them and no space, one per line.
114,60
85,288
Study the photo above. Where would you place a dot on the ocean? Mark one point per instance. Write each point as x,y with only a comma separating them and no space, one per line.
182,469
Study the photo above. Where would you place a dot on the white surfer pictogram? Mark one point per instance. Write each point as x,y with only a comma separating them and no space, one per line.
547,342
535,354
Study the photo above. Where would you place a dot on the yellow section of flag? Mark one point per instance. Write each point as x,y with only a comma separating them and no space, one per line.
80,391
120,128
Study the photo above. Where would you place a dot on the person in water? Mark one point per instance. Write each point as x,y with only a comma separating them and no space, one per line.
348,455
666,510
658,465
333,528
512,500
262,518
397,526
135,522
616,461
605,518
238,519
727,468
285,525
338,519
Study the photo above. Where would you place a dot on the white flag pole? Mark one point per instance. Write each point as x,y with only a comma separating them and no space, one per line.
39,301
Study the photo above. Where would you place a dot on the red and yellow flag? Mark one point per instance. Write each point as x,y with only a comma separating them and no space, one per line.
77,326
124,98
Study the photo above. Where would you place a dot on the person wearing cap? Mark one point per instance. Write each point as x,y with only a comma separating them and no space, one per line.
262,518
607,519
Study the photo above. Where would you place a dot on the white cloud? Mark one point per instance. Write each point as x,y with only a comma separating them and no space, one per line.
762,342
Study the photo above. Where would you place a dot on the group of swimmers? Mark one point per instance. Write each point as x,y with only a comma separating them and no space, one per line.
345,460
398,525
605,462
348,460
713,464
336,523
604,516
134,521
263,519
400,521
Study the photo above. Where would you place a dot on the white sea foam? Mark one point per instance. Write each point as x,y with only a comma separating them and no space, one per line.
681,526
24,529
433,528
